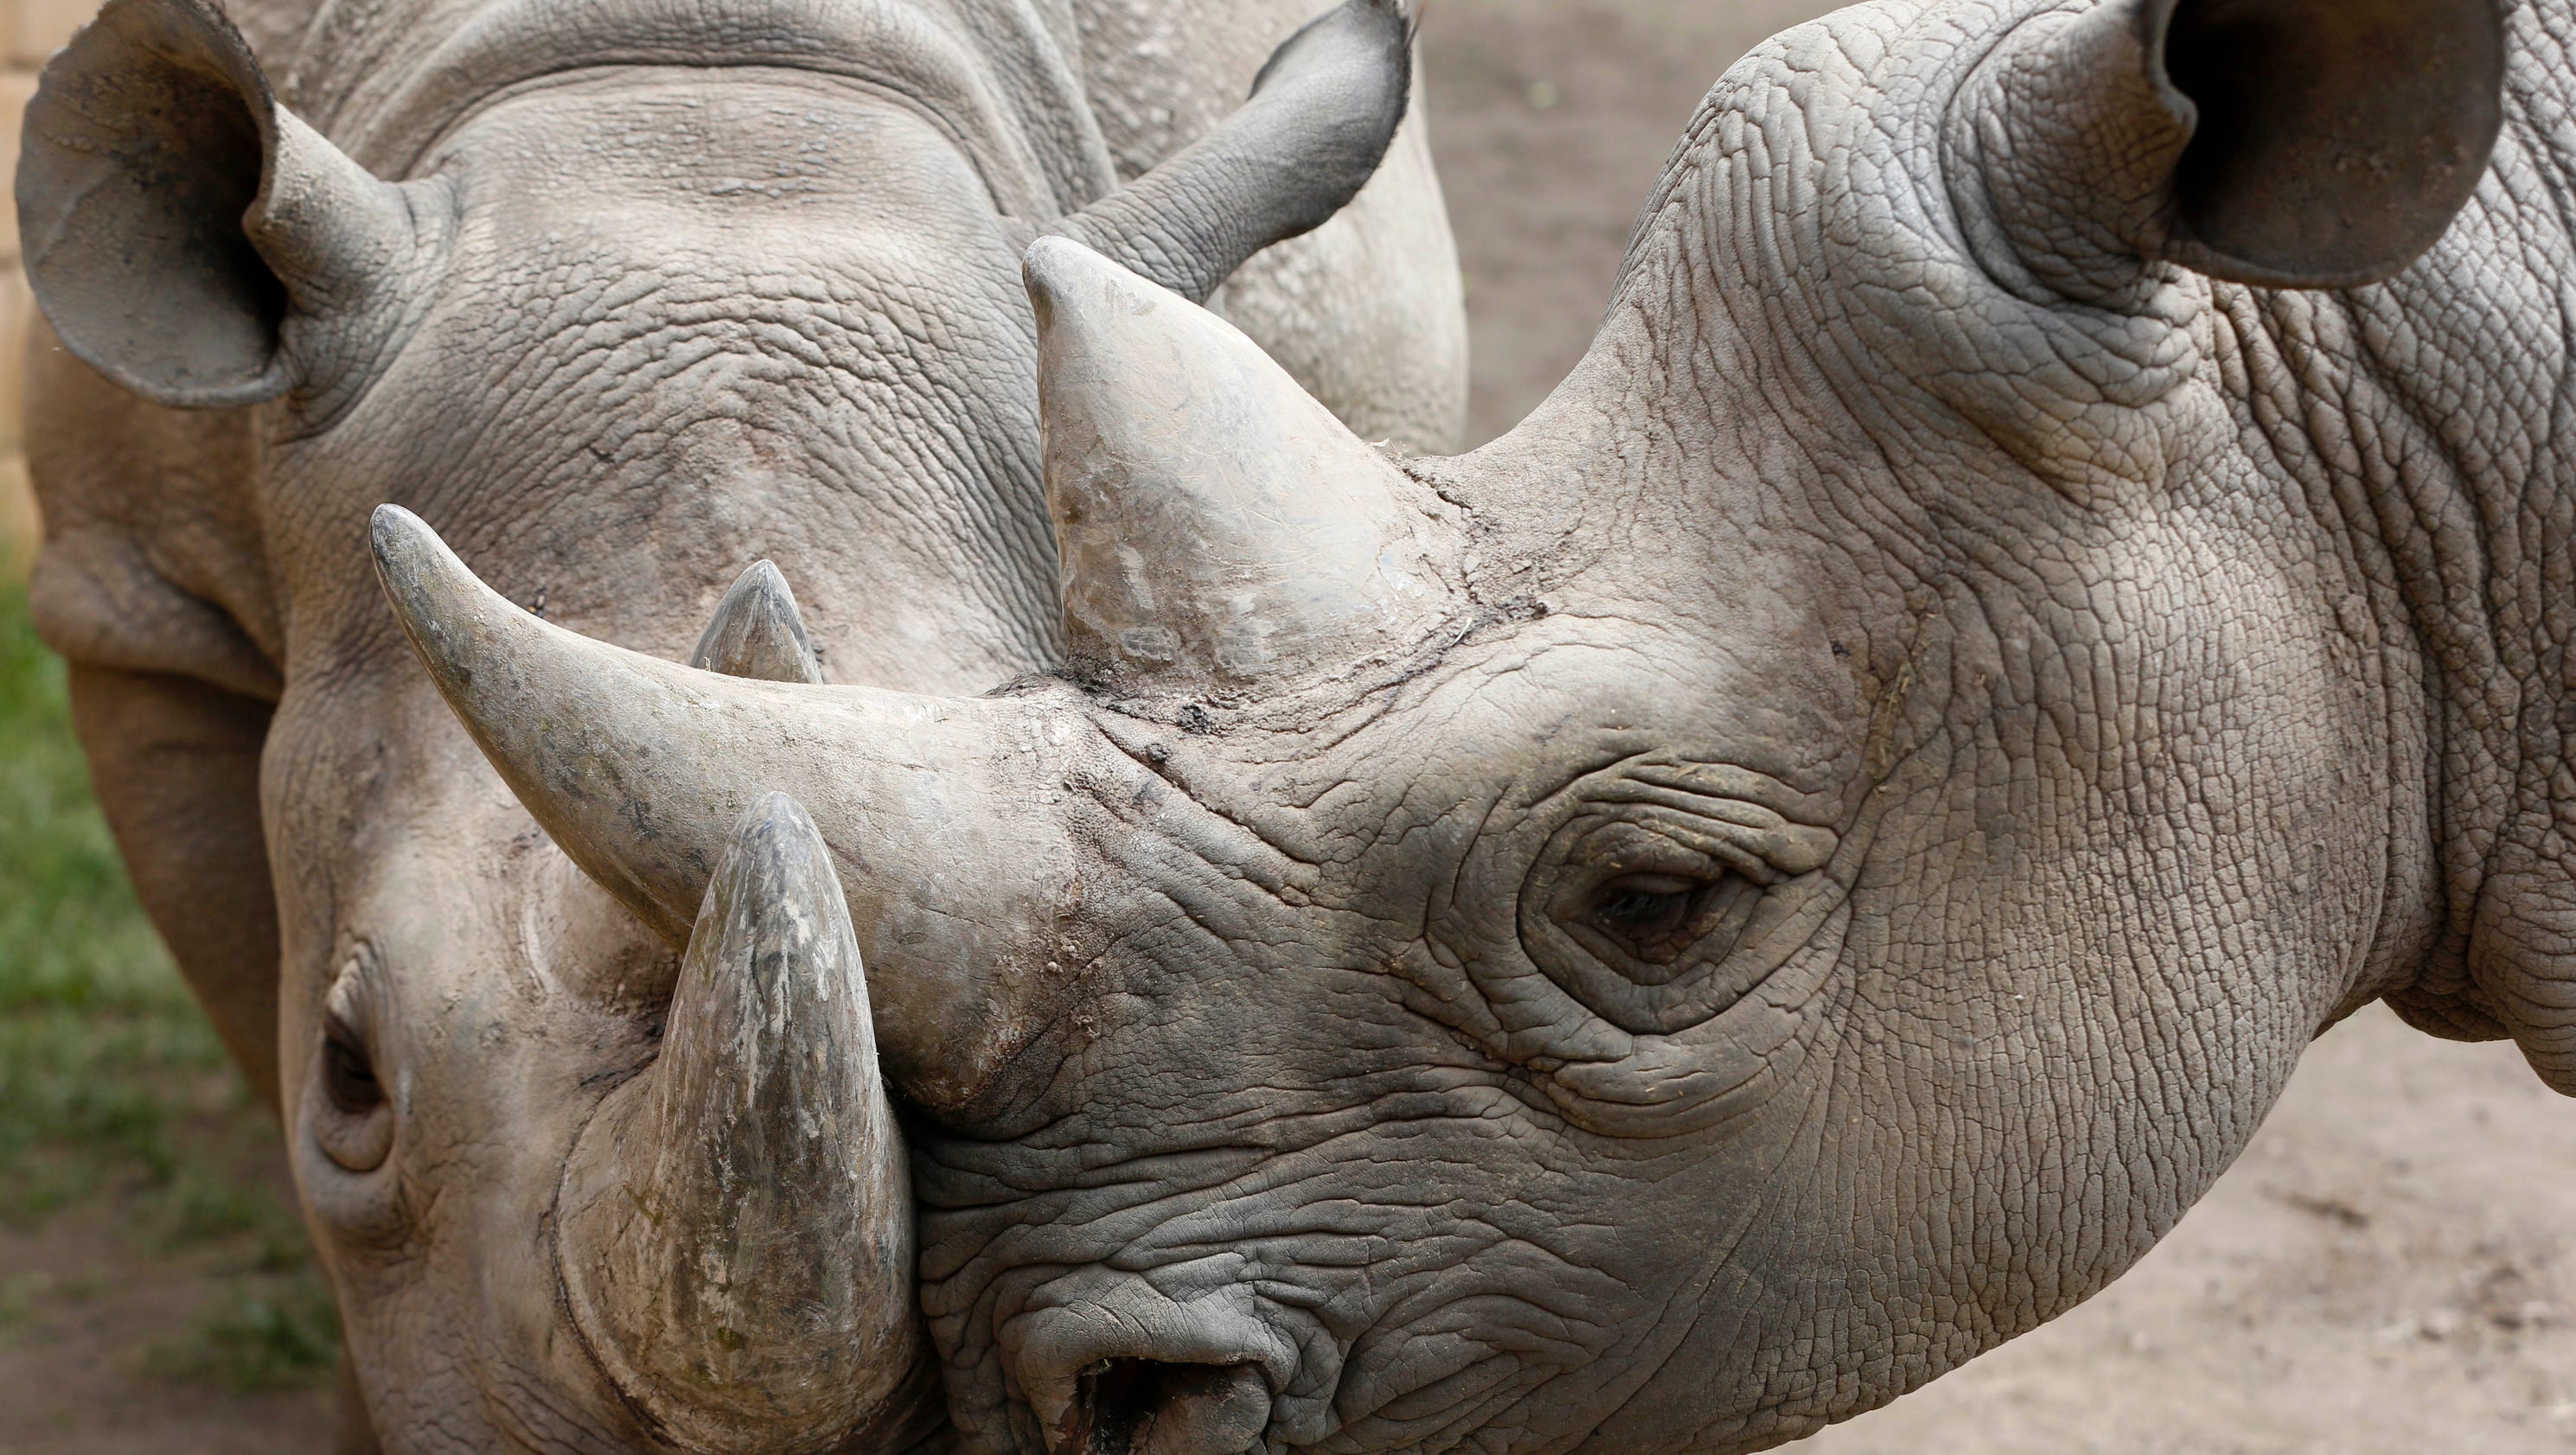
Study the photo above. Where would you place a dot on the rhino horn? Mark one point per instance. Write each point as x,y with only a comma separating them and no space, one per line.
757,632
1322,114
2098,136
734,1232
639,769
1217,527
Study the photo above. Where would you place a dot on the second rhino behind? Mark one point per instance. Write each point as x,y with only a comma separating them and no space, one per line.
627,294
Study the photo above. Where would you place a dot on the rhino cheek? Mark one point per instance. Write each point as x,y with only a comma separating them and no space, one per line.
441,1260
2108,898
1441,1253
1413,1245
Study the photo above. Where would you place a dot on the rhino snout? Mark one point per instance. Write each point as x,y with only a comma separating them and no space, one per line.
1124,1369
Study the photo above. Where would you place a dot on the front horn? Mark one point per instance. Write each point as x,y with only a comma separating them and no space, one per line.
734,1232
640,769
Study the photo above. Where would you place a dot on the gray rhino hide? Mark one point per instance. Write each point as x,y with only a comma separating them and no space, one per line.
1795,866
634,294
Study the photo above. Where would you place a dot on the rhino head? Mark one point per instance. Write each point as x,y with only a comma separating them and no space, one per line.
1795,866
629,295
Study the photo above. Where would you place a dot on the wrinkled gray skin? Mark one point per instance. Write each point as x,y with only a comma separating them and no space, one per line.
661,291
1795,866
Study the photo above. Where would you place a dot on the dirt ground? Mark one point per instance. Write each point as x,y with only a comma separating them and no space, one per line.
90,1305
2386,1273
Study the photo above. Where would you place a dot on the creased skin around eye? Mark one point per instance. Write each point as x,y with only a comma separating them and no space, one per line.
1651,899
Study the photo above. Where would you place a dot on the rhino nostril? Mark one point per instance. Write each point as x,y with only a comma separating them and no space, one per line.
1146,1407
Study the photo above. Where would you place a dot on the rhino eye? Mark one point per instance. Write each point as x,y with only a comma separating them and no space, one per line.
355,1123
1642,908
348,1075
1668,891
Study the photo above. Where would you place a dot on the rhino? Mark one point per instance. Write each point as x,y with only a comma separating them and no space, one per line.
634,295
1792,867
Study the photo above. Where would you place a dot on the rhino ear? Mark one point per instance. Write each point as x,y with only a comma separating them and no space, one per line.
1322,115
175,218
2285,143
1218,530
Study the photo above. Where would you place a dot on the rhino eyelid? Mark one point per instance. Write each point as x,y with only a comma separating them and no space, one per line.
1702,839
1729,814
350,1083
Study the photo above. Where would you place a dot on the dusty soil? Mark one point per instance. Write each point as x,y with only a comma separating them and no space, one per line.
99,1299
2387,1272
80,1380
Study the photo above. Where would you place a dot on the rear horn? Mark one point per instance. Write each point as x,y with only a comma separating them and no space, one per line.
757,632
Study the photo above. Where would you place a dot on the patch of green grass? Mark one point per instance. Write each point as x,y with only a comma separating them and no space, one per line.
109,1073
281,1334
93,1020
71,935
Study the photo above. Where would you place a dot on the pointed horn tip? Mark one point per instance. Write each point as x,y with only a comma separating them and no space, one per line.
776,841
416,568
758,631
390,529
776,819
760,582
1055,267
